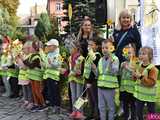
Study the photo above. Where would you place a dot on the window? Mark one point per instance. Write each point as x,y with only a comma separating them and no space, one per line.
58,6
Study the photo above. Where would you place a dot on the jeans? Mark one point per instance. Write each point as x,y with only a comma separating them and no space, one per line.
76,91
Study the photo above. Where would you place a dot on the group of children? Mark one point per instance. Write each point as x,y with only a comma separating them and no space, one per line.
40,69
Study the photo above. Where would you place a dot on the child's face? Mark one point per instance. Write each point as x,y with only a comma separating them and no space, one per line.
31,49
143,55
125,20
74,50
51,48
26,49
131,52
105,48
92,45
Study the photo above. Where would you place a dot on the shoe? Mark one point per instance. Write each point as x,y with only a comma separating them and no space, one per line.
13,96
120,111
79,115
25,104
56,110
34,108
42,108
29,106
73,114
5,95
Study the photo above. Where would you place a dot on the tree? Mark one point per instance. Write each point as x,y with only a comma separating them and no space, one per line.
5,26
81,8
46,27
8,18
10,5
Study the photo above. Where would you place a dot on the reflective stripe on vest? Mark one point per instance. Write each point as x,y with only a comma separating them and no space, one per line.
87,67
51,73
12,73
72,76
127,84
144,93
35,74
104,79
23,75
3,73
76,79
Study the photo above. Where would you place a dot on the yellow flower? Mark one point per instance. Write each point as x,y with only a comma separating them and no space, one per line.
109,22
111,48
60,58
125,51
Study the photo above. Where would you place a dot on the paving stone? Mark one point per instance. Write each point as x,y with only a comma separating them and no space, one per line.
10,110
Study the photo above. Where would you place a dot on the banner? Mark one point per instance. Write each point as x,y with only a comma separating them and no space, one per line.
150,27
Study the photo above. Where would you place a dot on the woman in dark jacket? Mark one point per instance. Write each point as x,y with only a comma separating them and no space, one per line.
84,35
125,33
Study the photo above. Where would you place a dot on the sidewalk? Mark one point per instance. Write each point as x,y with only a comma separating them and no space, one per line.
10,110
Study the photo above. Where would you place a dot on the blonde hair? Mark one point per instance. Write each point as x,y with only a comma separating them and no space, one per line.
80,33
124,11
149,51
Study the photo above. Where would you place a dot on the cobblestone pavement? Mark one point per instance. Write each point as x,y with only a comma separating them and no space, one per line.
10,110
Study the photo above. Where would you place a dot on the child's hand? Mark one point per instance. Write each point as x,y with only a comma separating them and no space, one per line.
93,66
78,72
136,75
49,61
62,70
89,85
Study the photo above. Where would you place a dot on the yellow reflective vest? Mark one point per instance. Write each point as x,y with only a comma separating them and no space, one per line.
105,79
145,93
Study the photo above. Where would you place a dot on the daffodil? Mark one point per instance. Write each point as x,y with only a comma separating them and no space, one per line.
60,58
125,52
109,22
111,49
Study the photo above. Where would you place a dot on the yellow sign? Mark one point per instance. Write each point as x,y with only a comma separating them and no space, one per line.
70,11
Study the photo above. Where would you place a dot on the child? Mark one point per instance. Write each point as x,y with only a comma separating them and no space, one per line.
75,79
6,61
90,67
127,83
145,89
108,67
22,77
52,73
36,76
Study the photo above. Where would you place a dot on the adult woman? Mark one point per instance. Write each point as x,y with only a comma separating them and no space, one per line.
126,33
85,34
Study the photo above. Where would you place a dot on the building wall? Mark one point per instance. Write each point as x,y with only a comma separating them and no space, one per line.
55,7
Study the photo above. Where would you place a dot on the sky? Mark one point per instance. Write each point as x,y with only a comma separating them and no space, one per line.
24,7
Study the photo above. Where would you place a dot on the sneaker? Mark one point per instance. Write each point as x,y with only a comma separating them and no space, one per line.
120,111
34,108
79,115
29,106
73,114
25,104
5,95
42,108
56,110
13,96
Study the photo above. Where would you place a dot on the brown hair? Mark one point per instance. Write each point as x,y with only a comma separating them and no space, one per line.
149,52
36,45
81,30
108,40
